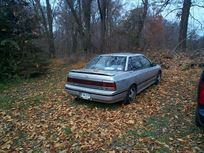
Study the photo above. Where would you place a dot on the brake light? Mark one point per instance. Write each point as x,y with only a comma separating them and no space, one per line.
109,86
69,79
201,94
104,85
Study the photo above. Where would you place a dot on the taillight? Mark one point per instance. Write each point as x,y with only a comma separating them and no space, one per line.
109,86
104,85
201,94
69,79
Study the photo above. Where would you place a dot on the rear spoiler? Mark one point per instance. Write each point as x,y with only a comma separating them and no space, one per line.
91,73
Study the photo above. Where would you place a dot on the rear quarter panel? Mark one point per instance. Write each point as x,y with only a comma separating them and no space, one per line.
125,80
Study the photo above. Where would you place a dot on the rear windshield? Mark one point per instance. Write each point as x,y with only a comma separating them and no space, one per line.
109,63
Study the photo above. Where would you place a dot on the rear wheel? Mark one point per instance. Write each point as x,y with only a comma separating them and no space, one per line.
131,94
77,98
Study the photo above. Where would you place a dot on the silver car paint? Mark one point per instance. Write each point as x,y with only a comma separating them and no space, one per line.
124,79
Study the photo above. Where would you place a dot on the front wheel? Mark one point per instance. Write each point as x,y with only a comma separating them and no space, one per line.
131,94
158,80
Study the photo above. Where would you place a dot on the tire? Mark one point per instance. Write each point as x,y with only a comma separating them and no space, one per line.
131,94
158,79
77,98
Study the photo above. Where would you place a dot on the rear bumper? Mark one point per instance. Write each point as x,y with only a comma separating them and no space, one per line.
96,95
200,115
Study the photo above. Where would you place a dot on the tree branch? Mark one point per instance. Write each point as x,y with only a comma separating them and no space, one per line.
162,7
74,13
172,11
201,25
44,21
197,5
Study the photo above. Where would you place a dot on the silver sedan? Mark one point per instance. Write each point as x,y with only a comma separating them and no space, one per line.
111,78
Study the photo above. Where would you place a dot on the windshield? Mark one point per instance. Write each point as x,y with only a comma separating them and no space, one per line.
109,63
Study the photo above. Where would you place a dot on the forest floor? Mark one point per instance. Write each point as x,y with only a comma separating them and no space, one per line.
39,116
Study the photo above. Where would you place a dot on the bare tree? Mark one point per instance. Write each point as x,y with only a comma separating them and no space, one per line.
103,8
50,29
184,24
141,22
83,26
86,6
47,21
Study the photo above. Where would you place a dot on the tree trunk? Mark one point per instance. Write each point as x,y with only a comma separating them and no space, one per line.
184,24
84,31
86,4
50,28
102,6
74,42
141,22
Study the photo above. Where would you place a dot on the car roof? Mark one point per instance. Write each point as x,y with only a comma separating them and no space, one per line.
122,54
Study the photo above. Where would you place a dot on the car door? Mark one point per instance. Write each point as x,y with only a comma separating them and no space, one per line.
149,70
138,72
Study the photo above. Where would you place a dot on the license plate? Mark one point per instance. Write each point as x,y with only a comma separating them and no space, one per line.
85,96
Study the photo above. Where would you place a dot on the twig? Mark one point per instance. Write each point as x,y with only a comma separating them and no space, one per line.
196,20
197,5
172,11
162,7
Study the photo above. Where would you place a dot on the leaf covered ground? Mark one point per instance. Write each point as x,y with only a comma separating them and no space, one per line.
39,116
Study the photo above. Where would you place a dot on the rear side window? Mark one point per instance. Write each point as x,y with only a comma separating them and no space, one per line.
134,63
145,62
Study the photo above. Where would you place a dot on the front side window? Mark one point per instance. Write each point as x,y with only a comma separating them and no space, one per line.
145,62
109,63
